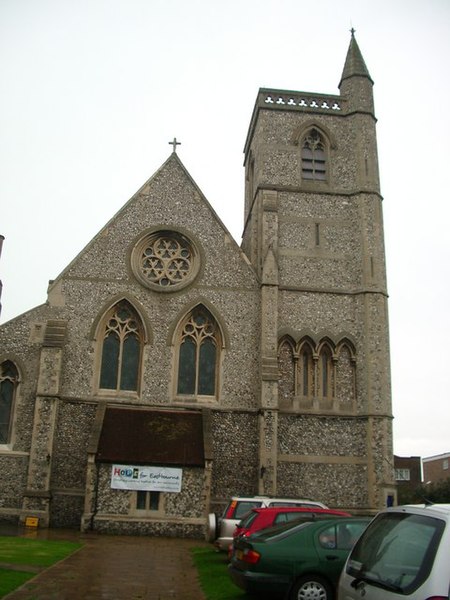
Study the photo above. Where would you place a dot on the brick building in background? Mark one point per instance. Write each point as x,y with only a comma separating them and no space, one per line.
436,468
408,475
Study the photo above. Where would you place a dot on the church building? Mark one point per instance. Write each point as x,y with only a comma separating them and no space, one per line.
171,368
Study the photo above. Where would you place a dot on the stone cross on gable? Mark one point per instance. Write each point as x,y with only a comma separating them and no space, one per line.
174,143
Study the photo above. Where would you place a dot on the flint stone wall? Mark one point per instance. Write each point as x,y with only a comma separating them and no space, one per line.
338,485
13,480
235,451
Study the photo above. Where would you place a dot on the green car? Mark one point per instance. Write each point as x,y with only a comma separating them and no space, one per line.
298,562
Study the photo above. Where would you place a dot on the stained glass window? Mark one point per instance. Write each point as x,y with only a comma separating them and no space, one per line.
9,378
198,355
122,349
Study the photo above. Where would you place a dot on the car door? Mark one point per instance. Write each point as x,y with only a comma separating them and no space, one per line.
333,543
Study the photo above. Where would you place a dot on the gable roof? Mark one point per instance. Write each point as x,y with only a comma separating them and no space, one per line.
170,179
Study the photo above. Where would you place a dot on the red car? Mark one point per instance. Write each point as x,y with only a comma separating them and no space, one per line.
260,518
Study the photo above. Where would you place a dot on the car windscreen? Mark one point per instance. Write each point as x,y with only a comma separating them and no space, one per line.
397,551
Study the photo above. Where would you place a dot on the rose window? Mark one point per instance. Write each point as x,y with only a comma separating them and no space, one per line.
165,260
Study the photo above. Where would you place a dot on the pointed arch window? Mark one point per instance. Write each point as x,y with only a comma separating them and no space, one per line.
313,156
121,349
198,355
326,374
9,379
306,371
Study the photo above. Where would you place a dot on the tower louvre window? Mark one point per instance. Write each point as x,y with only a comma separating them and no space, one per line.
313,156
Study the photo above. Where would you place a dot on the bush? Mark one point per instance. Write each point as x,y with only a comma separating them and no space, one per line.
433,492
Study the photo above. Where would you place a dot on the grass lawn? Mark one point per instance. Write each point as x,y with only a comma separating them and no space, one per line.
213,575
28,555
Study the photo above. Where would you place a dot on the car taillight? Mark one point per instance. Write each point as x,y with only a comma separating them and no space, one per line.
250,556
230,510
437,598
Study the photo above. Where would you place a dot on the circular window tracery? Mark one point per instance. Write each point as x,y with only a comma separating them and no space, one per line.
165,260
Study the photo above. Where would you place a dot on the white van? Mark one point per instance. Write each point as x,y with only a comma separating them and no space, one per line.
404,554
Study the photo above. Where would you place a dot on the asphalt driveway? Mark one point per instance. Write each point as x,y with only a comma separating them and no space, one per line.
117,568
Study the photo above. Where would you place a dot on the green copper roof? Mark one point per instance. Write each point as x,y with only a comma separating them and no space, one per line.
354,63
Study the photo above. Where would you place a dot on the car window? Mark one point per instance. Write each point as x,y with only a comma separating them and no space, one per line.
327,537
272,534
248,520
296,504
397,551
280,518
244,506
290,516
341,536
298,516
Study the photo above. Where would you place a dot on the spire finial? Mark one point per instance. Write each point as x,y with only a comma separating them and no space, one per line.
174,144
352,31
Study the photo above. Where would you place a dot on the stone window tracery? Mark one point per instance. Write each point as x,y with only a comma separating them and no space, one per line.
122,341
9,379
198,355
313,153
165,261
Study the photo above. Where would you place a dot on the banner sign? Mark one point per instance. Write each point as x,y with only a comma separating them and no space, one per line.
149,479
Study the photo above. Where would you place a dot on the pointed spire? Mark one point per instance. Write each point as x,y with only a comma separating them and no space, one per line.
354,63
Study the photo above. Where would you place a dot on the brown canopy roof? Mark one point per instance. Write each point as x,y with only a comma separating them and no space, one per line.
151,437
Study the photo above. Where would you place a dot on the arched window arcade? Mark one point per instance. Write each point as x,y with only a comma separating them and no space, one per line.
316,374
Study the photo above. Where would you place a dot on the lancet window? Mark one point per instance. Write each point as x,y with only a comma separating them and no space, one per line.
9,379
326,372
198,355
122,342
306,370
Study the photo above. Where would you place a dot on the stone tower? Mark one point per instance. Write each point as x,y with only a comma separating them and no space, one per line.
314,234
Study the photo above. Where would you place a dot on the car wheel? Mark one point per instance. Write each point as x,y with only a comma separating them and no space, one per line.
311,587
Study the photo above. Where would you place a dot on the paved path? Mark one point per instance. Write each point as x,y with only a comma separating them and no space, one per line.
118,568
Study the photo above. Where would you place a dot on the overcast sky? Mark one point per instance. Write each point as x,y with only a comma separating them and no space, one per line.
92,91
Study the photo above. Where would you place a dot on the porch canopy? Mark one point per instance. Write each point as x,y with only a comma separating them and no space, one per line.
151,437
